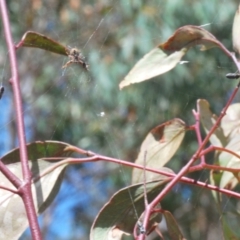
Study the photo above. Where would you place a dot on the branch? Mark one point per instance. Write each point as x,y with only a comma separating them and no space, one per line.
97,157
185,169
203,165
24,187
9,189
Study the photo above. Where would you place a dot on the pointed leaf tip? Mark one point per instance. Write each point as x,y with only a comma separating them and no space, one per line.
236,31
154,63
208,119
37,40
173,228
167,55
189,36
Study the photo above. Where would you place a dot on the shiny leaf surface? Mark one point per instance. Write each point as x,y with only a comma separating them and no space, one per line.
158,147
119,217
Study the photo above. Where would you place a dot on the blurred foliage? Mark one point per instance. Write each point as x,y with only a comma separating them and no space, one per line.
88,110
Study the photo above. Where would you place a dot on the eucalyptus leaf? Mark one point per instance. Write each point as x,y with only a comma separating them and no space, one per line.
167,55
208,120
236,31
37,40
123,210
13,217
158,147
154,63
230,123
173,228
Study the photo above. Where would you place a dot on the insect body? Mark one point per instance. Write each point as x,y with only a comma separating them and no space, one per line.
1,91
75,56
233,75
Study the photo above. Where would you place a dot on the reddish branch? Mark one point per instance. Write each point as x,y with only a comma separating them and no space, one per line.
96,157
24,187
194,158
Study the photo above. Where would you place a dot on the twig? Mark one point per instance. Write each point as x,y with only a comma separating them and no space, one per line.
214,148
25,186
9,189
185,169
97,157
145,179
198,132
215,167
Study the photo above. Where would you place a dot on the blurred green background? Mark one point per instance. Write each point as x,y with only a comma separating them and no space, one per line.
89,110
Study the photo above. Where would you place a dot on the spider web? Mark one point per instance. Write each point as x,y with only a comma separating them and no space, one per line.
106,120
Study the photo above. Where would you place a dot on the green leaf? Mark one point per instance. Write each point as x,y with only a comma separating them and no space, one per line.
227,226
236,31
230,123
215,178
158,148
228,179
37,40
173,229
151,65
227,136
208,119
118,216
225,158
166,56
12,211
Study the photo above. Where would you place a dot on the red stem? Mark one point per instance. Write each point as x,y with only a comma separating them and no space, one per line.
9,175
9,189
215,167
184,170
214,148
198,132
95,157
25,189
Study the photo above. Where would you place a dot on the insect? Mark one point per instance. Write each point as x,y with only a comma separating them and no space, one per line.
233,75
75,56
141,228
1,91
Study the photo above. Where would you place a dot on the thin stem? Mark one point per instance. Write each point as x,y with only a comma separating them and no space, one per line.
198,132
145,179
81,151
25,189
9,175
9,189
214,148
214,167
187,166
97,157
17,46
230,54
219,168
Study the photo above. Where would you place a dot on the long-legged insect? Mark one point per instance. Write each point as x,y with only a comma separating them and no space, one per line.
75,56
1,91
233,75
